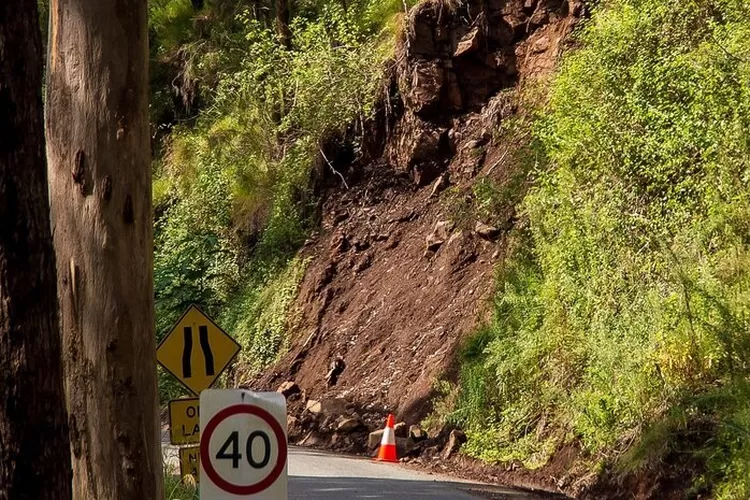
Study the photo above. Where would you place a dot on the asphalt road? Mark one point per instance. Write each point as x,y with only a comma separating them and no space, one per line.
315,475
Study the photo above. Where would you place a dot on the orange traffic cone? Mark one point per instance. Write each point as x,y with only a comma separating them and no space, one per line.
387,451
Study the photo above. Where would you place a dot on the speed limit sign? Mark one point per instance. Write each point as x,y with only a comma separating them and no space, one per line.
243,445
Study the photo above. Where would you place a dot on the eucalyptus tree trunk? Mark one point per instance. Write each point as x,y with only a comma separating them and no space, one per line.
100,184
34,448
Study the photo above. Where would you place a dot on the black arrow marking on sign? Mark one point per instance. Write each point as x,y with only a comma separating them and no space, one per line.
203,334
187,352
187,372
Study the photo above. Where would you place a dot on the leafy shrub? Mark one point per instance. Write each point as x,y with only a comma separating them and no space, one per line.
627,298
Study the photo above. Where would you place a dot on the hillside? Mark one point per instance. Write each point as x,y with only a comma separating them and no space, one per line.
525,219
397,279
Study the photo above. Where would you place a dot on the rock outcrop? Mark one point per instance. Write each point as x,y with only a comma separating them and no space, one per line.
457,56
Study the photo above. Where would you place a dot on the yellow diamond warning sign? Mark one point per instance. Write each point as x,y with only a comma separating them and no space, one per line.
184,421
196,350
190,462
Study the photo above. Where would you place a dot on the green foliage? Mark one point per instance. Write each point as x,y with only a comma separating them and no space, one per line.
177,488
626,302
232,185
261,314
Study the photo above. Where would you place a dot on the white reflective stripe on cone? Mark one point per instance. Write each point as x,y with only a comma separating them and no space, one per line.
389,437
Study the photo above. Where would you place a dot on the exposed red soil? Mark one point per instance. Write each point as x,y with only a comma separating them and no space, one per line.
374,295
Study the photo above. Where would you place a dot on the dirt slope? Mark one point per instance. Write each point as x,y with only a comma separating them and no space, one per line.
400,273
373,296
395,285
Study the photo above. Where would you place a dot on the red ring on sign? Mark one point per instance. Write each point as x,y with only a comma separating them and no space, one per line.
208,467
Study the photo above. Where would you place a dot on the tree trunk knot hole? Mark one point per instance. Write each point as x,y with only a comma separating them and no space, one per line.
79,170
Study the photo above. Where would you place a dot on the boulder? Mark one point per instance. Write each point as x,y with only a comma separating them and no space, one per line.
288,389
401,430
455,440
417,434
328,407
293,427
374,439
424,87
348,425
469,43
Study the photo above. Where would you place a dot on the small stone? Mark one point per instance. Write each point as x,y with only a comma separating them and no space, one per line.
360,245
469,43
439,185
340,243
314,406
327,421
288,389
339,218
431,452
434,244
363,264
485,231
439,235
293,427
336,367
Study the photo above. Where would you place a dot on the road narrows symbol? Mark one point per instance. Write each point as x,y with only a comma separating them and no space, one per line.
187,352
187,371
203,331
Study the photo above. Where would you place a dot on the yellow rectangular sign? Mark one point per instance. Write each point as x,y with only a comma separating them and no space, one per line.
184,421
190,462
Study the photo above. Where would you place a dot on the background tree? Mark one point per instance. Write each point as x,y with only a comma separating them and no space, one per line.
100,179
283,18
34,451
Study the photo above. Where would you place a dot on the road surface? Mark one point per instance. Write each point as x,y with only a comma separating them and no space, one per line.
316,475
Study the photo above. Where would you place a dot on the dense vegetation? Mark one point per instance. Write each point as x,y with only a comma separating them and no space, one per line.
239,115
622,318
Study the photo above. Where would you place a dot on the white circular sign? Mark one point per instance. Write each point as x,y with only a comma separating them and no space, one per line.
243,445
